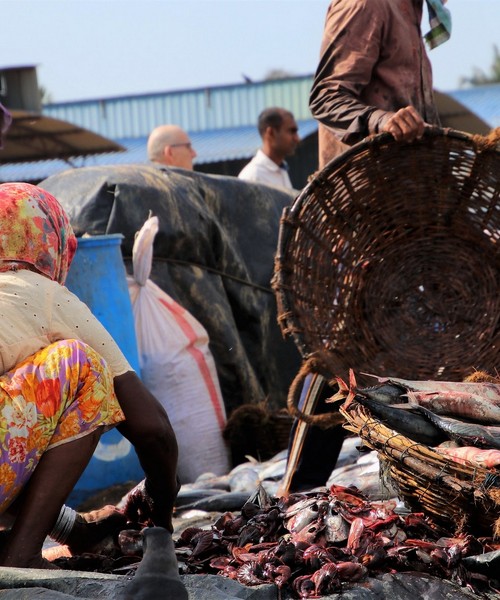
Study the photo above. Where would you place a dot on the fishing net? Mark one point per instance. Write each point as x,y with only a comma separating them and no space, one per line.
464,497
388,260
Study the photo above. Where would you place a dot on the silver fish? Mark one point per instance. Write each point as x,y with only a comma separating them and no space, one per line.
311,511
273,471
209,480
228,501
387,393
469,434
458,404
245,479
190,496
336,527
415,426
484,389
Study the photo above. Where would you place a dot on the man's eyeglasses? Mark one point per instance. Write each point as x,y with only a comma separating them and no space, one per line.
188,145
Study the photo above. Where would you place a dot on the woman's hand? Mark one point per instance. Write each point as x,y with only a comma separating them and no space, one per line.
148,509
138,506
96,530
148,428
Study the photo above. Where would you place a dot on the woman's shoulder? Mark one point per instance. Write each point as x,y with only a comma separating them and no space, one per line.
25,282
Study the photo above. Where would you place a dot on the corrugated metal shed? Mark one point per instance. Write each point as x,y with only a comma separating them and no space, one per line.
223,107
195,110
484,100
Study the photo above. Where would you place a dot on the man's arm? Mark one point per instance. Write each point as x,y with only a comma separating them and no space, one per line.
352,42
349,51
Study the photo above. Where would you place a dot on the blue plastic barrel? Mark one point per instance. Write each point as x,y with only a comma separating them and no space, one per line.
98,277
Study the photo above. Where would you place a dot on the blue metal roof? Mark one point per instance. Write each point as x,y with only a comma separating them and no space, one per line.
211,146
223,107
484,100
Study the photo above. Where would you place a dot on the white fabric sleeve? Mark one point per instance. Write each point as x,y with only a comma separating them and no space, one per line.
72,319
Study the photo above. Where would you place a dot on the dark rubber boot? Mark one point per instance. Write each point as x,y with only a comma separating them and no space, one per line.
157,577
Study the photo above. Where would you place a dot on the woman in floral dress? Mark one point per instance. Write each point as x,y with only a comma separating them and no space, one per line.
63,382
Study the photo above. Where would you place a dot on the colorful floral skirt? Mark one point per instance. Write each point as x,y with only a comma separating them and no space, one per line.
59,394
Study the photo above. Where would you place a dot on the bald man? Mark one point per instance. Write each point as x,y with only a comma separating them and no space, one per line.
170,145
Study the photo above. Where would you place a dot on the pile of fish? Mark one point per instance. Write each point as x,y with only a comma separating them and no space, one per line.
219,493
459,419
316,543
309,544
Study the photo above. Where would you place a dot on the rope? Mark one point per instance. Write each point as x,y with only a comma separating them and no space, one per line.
187,263
488,142
325,421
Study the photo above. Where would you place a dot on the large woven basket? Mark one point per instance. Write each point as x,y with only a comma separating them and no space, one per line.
388,261
462,497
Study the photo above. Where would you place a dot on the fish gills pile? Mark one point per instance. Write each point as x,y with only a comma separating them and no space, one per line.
317,543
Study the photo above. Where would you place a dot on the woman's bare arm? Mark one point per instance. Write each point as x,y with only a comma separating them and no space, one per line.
148,429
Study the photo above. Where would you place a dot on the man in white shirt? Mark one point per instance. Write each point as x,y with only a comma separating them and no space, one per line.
170,145
279,132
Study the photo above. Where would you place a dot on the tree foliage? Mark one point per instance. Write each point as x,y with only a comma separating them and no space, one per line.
45,95
277,74
479,77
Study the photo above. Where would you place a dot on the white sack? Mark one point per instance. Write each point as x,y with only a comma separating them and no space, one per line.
178,367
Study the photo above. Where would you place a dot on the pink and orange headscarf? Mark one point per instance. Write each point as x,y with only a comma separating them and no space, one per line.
34,231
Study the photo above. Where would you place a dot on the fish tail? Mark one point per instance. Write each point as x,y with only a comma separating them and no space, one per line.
347,392
343,391
351,389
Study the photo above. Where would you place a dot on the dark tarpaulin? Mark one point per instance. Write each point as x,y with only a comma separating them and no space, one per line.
214,254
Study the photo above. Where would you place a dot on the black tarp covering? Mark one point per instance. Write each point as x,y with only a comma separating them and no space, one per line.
213,254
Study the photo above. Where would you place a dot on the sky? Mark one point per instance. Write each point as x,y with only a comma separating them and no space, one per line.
87,49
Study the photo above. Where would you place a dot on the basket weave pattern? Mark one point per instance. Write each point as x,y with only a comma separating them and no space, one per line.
388,261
